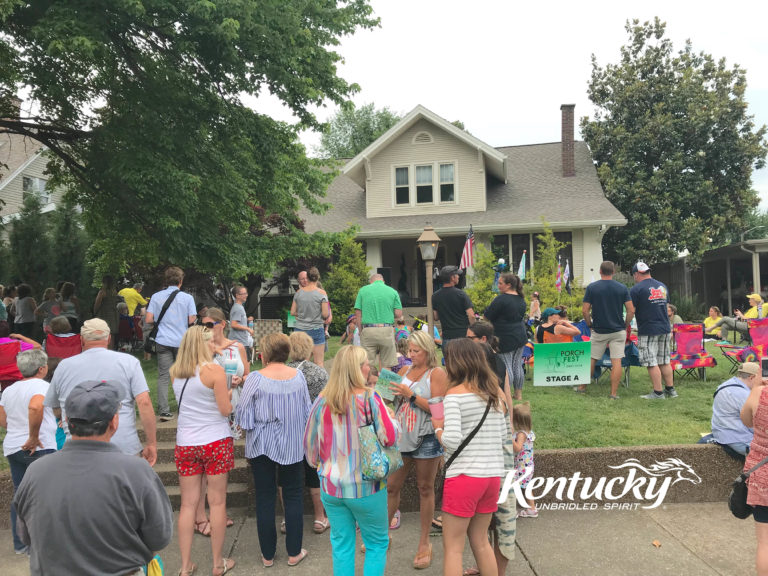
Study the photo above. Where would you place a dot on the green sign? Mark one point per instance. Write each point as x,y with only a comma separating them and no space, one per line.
561,364
291,321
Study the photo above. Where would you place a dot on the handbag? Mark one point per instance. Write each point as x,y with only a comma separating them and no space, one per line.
376,461
737,500
150,346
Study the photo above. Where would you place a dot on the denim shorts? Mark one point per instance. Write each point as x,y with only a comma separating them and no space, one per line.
317,335
430,447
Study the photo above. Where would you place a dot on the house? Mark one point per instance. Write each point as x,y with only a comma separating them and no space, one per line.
426,170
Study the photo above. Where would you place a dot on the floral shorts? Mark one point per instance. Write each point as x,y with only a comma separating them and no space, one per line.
211,459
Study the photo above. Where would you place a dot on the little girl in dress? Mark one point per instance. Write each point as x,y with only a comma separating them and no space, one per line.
523,446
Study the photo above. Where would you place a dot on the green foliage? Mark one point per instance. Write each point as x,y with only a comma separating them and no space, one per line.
69,245
347,275
352,130
544,276
30,245
689,308
674,146
481,289
141,105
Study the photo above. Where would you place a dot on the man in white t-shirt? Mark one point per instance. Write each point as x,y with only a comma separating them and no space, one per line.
238,320
31,428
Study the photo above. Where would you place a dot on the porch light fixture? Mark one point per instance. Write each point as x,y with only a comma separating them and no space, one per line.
428,243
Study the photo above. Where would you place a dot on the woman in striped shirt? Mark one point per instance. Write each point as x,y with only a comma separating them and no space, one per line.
273,410
473,479
331,444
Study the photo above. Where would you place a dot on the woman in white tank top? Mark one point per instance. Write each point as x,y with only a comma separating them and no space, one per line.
204,447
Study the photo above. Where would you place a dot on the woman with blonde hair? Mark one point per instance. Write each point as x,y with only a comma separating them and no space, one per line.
203,443
273,411
332,445
422,380
474,405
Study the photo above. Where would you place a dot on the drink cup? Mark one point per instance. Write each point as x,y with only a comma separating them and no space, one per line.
230,367
436,407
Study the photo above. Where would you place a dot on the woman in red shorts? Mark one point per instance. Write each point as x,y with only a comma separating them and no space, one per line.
474,401
203,443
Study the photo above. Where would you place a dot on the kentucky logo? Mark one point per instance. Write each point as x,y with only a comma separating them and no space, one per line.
659,293
647,485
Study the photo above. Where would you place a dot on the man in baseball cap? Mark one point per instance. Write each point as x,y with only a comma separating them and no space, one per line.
640,267
83,486
727,428
452,306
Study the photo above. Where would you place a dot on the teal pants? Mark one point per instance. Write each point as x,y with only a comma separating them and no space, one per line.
370,513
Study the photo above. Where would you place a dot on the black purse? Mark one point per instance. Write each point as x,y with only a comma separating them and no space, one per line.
737,501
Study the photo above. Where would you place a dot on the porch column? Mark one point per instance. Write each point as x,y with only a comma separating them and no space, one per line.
756,272
373,253
728,285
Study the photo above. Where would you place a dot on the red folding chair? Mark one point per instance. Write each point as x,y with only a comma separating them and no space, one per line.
758,334
62,346
690,358
9,372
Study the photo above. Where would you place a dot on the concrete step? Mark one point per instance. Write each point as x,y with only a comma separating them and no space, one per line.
241,473
166,449
166,432
238,496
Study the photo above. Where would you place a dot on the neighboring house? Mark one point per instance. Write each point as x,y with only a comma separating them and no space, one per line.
22,171
426,170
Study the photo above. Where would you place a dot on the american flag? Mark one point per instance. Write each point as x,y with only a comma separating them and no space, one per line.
559,280
567,277
467,255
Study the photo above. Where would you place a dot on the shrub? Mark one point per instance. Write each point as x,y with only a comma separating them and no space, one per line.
345,277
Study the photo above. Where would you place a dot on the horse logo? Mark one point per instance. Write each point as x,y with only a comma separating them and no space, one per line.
664,468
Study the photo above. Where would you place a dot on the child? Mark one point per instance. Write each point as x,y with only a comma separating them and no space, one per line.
352,333
402,355
523,446
373,377
401,330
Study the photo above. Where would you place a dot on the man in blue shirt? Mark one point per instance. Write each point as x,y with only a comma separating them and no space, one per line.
727,428
180,315
654,334
603,311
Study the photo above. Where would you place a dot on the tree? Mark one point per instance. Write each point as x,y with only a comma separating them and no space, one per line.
69,246
674,147
544,276
345,278
29,245
480,291
352,129
140,104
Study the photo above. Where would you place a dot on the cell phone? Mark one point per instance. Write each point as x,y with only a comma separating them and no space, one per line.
764,366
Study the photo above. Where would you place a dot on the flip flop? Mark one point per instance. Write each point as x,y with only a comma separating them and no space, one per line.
395,523
282,527
267,563
320,526
230,522
303,554
437,523
226,566
205,530
189,571
471,572
423,564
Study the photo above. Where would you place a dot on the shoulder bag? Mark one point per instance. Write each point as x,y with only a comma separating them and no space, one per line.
376,461
737,501
150,346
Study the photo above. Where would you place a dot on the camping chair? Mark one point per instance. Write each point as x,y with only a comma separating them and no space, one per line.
758,334
690,358
62,346
9,372
631,358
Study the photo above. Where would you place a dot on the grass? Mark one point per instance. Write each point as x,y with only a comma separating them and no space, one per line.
564,419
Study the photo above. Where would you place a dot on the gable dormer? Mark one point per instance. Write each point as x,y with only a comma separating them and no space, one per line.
425,165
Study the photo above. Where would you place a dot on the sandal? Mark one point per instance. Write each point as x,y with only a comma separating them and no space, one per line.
471,572
226,565
437,523
282,527
230,522
205,530
395,523
303,554
426,559
189,571
267,563
320,526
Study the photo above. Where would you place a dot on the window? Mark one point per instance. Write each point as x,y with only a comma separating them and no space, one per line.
446,183
32,185
402,189
424,185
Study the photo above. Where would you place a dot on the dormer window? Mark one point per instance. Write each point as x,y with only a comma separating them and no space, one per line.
424,184
402,187
446,183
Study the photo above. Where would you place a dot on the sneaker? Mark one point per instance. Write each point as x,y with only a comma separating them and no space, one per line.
670,392
21,551
165,416
654,396
528,513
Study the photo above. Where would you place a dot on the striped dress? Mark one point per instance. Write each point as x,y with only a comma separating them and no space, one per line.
483,457
331,444
273,414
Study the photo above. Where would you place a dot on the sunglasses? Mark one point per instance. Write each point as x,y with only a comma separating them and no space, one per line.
210,325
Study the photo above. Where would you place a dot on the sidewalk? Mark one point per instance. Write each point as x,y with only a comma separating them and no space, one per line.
696,540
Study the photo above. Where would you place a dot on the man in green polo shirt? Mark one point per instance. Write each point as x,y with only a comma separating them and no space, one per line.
376,307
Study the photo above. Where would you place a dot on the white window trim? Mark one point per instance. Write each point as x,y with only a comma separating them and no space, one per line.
435,184
45,195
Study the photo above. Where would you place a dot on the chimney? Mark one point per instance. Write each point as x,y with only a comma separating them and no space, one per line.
569,168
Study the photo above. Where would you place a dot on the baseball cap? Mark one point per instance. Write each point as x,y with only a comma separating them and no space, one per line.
751,368
754,296
446,272
641,267
94,401
94,327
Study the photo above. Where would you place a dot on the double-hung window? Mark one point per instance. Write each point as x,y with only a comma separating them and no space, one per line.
32,185
421,184
402,187
424,184
446,183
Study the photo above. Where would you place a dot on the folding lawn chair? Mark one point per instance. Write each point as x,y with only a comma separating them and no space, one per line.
604,365
690,358
758,333
62,346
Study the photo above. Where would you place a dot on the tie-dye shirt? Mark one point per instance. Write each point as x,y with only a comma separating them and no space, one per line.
331,444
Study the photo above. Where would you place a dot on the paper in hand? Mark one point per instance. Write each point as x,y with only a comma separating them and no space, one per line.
382,385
